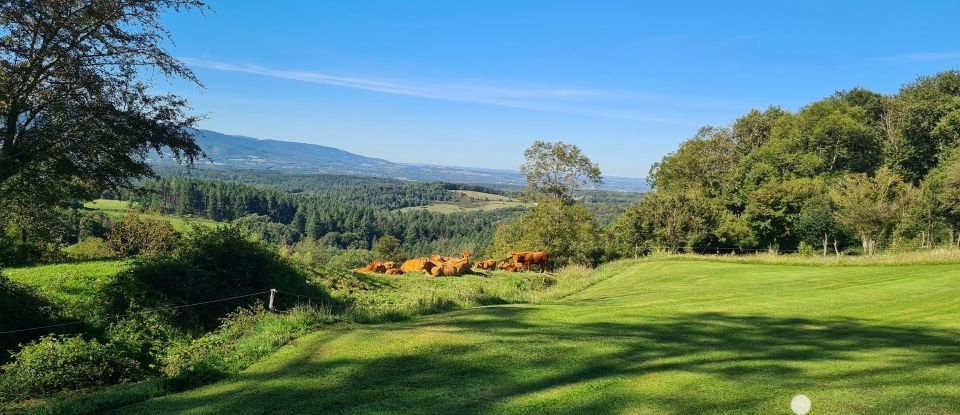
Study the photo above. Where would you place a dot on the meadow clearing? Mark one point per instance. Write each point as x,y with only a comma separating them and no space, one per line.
117,209
662,336
470,201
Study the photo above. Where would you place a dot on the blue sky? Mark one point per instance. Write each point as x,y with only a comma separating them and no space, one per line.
473,83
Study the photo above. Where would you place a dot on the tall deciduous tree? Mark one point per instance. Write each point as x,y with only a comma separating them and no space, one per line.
567,231
558,170
77,114
944,194
872,206
925,124
752,131
703,162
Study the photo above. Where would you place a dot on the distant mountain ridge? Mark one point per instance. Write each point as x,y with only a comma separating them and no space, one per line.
241,152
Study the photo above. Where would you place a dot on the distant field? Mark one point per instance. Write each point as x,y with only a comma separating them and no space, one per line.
469,201
119,208
657,337
483,196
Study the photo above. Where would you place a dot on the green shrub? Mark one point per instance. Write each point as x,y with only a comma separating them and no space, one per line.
351,259
387,248
145,337
54,364
90,248
135,235
212,265
806,250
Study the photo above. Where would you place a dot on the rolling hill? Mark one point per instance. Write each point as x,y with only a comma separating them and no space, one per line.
240,152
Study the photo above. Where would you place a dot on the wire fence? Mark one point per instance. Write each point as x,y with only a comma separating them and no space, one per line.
142,312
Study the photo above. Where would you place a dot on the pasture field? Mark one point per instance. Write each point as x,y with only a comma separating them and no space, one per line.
116,209
663,336
72,286
483,196
469,201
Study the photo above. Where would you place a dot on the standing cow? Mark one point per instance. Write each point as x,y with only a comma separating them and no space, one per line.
529,259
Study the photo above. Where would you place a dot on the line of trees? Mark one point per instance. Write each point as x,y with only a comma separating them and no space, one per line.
856,170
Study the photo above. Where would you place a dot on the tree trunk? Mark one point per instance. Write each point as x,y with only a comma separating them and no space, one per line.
836,247
826,241
953,232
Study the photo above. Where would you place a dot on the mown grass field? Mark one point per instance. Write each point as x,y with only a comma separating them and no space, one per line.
117,209
656,337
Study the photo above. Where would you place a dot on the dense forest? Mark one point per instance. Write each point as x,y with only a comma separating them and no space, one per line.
372,191
856,171
352,215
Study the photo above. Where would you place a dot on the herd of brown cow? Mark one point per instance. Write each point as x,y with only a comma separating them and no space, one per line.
441,266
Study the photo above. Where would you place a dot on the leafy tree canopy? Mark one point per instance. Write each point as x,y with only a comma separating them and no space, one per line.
76,110
558,170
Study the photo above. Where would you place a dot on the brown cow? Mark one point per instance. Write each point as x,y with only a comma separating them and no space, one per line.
394,271
423,264
509,267
488,264
453,267
375,266
529,259
389,265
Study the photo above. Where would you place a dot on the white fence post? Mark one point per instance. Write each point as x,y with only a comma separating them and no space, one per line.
273,293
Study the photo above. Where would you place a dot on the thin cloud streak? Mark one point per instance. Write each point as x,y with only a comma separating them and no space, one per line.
571,101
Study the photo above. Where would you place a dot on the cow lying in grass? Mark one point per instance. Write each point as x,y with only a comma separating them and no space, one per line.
489,264
439,266
510,267
452,267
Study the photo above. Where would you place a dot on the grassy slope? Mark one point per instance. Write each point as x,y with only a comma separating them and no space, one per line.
72,286
116,209
658,337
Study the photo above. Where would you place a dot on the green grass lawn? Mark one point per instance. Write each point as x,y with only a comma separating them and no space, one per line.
657,337
71,286
118,208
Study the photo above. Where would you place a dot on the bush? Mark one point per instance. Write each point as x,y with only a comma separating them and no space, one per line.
351,258
312,251
145,338
89,249
387,248
21,307
212,265
135,235
54,364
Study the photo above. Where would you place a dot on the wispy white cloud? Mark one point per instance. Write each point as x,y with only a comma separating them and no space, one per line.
573,101
923,56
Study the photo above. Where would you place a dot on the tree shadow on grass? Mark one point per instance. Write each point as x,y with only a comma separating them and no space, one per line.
505,360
